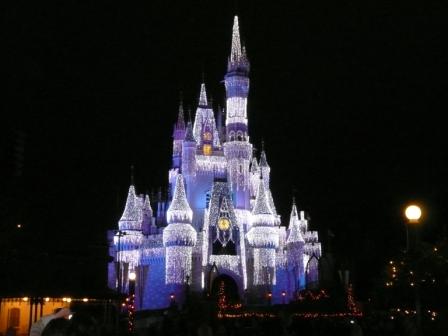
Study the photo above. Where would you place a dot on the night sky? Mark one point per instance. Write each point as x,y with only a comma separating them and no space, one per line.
348,100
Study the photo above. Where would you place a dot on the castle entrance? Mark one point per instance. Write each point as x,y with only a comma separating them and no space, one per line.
224,284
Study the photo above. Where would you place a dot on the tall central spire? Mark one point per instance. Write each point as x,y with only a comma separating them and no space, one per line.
235,54
203,97
238,59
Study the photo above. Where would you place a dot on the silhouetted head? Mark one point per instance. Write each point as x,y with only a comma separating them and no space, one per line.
83,324
56,327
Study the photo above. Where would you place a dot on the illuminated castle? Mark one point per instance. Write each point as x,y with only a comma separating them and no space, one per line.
220,221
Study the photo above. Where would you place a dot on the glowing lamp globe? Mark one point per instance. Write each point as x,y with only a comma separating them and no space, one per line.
132,276
413,213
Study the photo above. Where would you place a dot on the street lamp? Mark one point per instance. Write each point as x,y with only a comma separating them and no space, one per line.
413,214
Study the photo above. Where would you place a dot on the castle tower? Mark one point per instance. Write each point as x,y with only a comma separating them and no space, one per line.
131,219
254,178
295,249
204,121
263,237
147,216
178,137
237,149
179,237
265,169
189,157
312,254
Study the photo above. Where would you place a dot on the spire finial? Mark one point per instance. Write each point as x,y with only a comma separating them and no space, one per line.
180,117
235,54
203,74
203,96
132,174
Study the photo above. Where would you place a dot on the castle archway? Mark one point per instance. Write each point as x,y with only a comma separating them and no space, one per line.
226,283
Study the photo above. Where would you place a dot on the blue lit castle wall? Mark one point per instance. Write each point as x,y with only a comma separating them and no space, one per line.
219,218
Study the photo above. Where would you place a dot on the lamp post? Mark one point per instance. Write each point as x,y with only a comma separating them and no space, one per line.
131,301
413,214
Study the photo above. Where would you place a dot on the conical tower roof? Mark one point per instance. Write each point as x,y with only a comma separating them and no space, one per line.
261,206
294,230
203,97
236,51
132,214
147,205
180,117
238,58
263,160
254,165
179,210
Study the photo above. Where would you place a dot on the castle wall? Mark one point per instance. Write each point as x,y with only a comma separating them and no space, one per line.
156,293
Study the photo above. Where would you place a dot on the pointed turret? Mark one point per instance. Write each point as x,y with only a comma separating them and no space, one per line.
265,169
147,209
147,215
263,160
189,156
180,124
254,178
254,165
189,133
294,227
131,209
178,136
238,59
179,237
130,212
236,51
303,224
203,97
263,236
261,206
179,210
204,114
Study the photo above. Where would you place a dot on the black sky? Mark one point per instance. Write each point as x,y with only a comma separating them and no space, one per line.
348,97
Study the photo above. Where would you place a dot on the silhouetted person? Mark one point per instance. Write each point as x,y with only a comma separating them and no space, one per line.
56,327
38,327
83,324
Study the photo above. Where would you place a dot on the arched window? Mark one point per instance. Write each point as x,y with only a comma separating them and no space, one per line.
312,272
207,136
239,136
232,136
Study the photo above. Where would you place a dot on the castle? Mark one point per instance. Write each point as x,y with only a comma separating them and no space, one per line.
220,221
